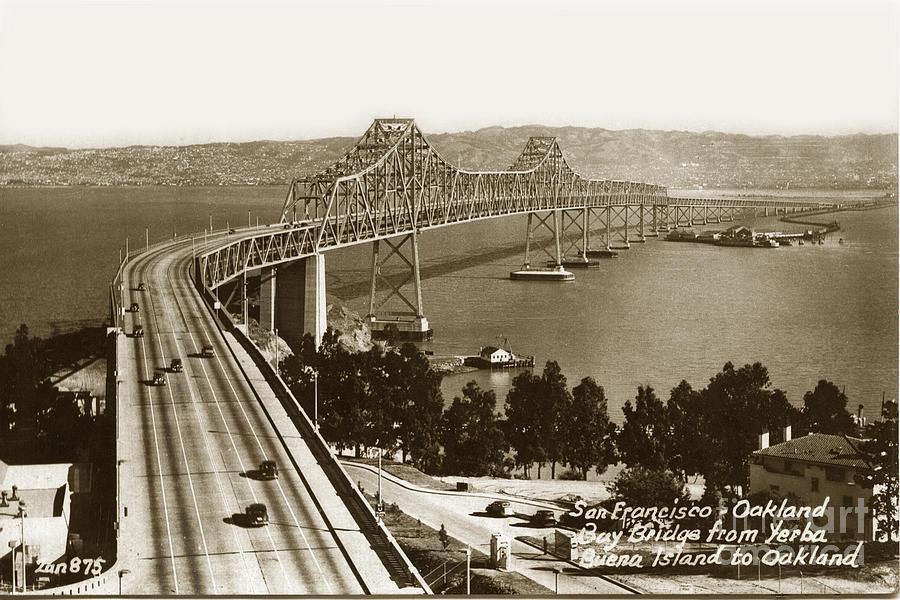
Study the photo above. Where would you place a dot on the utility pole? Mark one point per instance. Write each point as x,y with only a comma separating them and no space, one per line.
147,233
379,508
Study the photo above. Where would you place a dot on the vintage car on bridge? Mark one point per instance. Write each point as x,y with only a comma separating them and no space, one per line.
142,287
268,470
159,379
207,352
257,514
138,331
135,307
176,366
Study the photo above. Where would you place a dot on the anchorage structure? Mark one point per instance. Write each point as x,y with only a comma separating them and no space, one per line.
392,185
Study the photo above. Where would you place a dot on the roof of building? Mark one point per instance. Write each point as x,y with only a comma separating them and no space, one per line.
487,350
39,485
821,448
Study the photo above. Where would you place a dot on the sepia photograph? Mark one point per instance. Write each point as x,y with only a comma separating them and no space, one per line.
412,297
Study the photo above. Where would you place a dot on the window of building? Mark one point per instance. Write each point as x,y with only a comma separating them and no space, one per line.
815,484
835,474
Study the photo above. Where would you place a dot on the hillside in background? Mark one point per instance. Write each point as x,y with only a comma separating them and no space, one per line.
671,158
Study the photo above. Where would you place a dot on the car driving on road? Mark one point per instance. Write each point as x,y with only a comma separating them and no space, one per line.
159,379
207,352
268,470
257,514
176,366
543,518
499,508
138,331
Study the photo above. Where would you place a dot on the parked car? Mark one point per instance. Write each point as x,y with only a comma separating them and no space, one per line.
135,307
142,287
543,518
159,379
207,352
257,514
499,508
176,366
138,331
268,470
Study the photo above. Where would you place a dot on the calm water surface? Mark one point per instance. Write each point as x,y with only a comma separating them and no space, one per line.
659,313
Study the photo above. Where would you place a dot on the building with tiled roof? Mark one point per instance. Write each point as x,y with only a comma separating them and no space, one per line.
815,467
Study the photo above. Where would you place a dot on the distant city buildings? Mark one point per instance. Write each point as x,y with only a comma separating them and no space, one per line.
674,159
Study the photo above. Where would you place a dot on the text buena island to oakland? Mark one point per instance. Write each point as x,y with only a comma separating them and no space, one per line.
782,534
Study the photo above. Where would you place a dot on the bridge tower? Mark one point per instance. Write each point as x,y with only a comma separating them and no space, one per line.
409,322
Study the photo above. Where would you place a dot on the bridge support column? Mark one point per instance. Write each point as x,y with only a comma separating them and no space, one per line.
608,227
641,224
410,322
267,298
705,215
766,211
300,300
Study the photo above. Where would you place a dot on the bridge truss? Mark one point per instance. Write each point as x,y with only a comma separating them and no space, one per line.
393,183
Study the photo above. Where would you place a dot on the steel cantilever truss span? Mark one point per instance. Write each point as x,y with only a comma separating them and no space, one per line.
392,182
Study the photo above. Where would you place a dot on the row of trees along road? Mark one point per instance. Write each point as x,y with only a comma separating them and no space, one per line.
392,401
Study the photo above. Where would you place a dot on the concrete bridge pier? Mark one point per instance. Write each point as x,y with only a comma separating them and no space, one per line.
292,300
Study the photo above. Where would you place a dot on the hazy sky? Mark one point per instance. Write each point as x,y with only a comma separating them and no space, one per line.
122,72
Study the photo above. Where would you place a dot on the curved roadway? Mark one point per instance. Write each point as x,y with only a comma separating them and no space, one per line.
186,450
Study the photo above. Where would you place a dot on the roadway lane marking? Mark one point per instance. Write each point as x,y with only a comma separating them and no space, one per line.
162,484
208,449
184,452
228,431
258,443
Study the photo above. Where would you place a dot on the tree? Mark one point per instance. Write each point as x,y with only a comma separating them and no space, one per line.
473,439
689,440
588,436
739,406
643,438
825,410
342,394
522,428
639,486
421,405
556,402
881,446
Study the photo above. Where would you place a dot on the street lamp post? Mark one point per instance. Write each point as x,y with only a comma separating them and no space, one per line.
12,554
22,514
122,573
468,570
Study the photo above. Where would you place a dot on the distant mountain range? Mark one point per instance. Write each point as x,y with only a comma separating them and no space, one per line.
672,158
